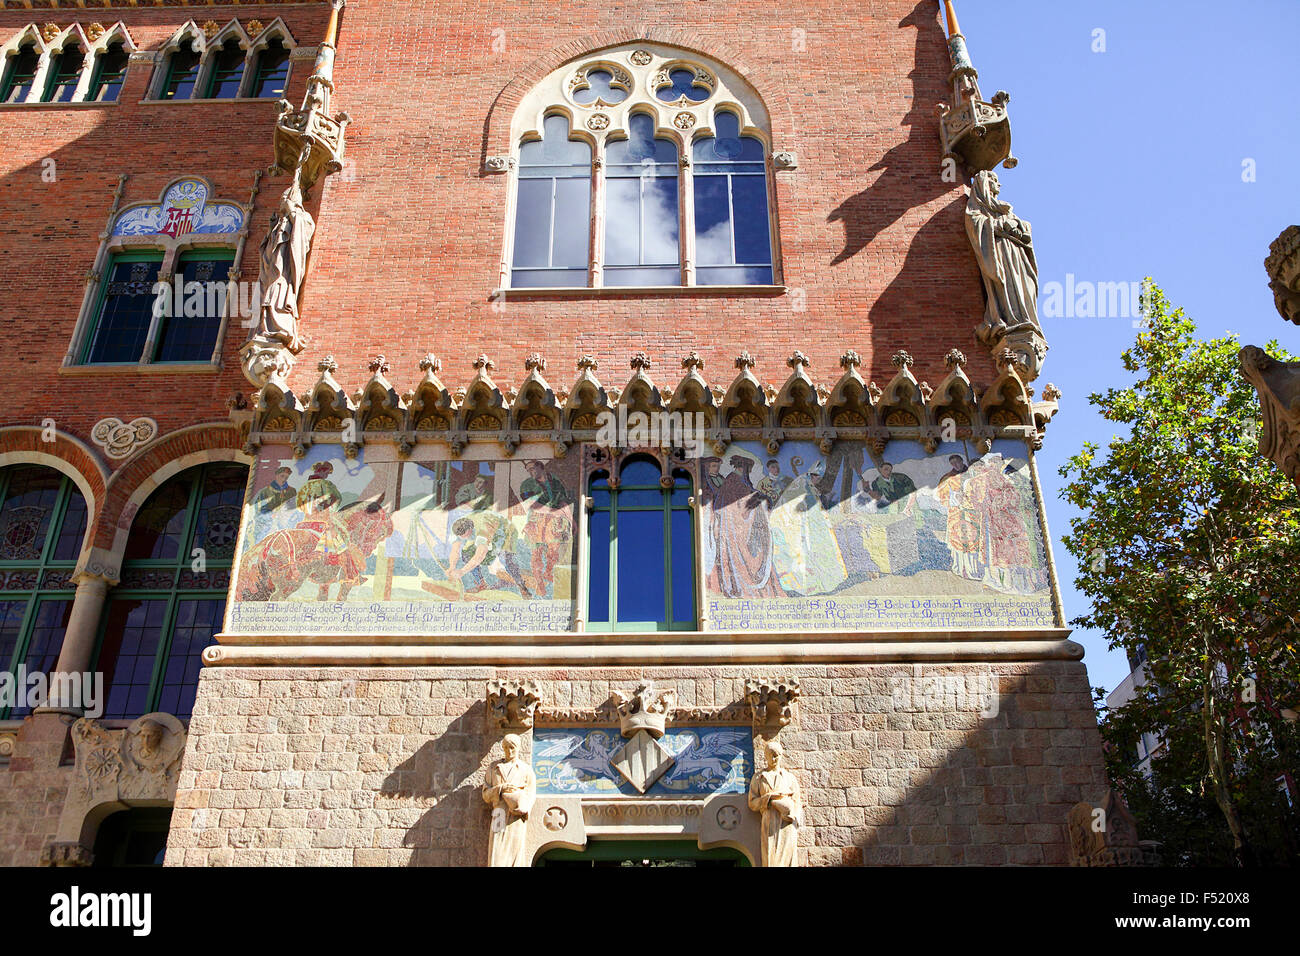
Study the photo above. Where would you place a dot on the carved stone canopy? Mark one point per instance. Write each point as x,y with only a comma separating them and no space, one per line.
512,704
771,702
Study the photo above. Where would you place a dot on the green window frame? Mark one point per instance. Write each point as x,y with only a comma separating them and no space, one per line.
110,75
641,541
182,73
164,613
20,75
124,306
226,78
271,78
186,339
64,74
43,519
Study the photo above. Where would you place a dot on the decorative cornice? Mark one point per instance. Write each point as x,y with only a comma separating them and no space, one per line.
746,408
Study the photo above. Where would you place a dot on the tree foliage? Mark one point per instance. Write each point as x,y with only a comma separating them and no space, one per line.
1188,545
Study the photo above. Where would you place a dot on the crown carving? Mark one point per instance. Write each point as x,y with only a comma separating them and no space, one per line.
647,709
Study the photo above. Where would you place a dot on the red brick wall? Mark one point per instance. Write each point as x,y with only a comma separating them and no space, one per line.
407,253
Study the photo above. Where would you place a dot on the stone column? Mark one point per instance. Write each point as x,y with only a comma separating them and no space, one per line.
79,638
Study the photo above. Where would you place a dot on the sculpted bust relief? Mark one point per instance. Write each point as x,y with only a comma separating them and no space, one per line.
1005,250
510,789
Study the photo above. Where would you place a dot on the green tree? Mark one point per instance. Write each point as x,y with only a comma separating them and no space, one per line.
1188,545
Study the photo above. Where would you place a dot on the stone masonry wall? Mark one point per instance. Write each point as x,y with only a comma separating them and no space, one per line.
33,787
382,766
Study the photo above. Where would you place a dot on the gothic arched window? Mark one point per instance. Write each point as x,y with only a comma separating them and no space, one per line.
226,75
172,596
64,75
674,150
42,527
271,71
733,245
552,209
20,75
641,200
641,558
110,74
182,72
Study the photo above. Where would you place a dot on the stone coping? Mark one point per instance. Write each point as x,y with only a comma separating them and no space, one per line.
514,652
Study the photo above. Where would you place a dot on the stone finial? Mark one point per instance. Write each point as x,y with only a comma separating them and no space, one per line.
211,28
535,362
640,361
430,363
744,361
901,360
587,363
850,359
1051,393
955,359
484,364
254,27
693,361
771,702
512,704
1008,359
50,31
327,365
378,365
647,709
798,359
94,31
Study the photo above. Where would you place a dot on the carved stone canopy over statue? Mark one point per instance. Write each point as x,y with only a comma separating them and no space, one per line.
1005,250
510,789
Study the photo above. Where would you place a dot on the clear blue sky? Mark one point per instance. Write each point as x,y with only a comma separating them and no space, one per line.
1131,165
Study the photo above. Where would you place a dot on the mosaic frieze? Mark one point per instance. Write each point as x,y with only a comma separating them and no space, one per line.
803,539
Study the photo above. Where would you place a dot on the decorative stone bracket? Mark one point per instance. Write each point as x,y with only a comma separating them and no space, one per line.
512,704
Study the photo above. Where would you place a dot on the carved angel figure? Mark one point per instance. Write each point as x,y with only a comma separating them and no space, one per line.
1005,250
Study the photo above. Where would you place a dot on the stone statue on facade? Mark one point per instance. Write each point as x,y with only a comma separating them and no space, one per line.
1005,250
275,338
510,789
774,793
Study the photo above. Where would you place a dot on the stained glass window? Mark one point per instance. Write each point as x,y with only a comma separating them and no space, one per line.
227,72
110,74
553,210
182,74
641,209
272,71
641,570
64,73
189,334
733,240
166,609
20,77
42,528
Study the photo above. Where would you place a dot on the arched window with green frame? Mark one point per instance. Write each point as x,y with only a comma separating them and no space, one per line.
641,554
172,597
42,526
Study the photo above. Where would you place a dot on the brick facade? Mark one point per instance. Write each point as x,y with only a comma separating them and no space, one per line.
356,765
